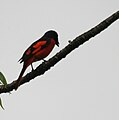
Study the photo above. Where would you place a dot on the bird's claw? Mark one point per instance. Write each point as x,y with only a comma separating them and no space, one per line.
44,60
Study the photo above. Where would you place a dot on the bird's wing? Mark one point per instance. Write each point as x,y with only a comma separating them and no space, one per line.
34,48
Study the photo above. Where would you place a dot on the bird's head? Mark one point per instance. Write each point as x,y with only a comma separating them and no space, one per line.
52,34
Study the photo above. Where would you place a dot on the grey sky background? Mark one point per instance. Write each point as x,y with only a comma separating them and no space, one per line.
84,85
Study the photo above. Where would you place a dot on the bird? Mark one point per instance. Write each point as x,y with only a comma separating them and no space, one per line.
37,51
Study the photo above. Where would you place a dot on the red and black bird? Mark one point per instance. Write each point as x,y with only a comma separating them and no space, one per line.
38,51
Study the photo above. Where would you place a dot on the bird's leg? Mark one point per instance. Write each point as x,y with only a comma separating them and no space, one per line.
32,67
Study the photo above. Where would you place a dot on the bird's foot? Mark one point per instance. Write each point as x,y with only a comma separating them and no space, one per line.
44,60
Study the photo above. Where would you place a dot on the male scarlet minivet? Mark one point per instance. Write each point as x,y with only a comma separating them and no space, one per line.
38,51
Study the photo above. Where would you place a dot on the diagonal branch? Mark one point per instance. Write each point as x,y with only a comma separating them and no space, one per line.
45,66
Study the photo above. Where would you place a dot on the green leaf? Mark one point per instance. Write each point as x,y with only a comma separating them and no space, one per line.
3,79
1,104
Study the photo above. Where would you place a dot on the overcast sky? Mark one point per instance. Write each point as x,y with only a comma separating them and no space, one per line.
84,85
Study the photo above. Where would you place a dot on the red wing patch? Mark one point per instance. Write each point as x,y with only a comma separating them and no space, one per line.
36,50
39,44
28,51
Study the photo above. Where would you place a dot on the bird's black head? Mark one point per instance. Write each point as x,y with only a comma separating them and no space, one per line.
52,34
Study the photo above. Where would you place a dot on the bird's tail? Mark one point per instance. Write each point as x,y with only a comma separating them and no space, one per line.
20,77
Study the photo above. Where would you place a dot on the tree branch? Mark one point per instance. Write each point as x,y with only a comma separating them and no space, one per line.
45,66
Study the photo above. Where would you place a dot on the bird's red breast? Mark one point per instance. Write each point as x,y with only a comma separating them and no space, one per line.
36,52
40,54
